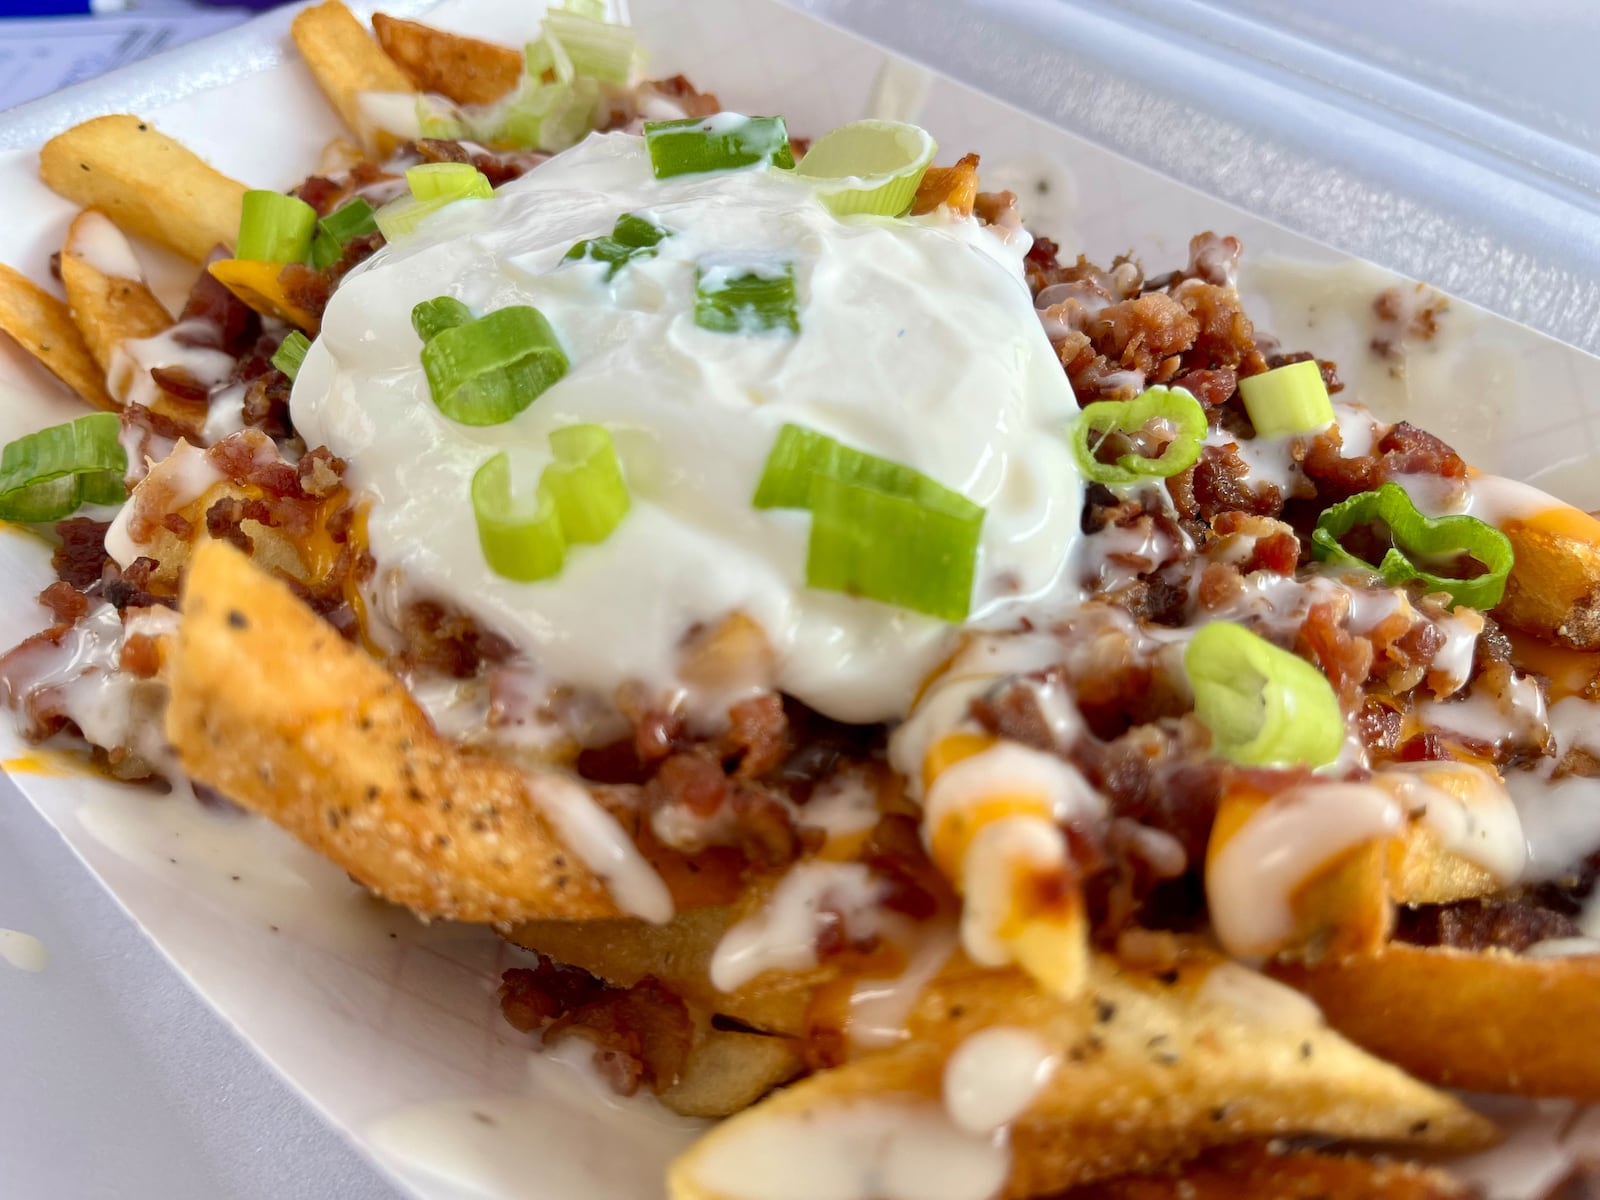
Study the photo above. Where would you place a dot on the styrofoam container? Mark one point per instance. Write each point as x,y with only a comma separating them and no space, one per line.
390,1029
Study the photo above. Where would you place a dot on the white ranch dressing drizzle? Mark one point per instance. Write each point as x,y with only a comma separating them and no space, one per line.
182,477
880,1008
782,934
992,1077
129,379
603,846
1466,808
893,1148
1252,879
1257,999
917,343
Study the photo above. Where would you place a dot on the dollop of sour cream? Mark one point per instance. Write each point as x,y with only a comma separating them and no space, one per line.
917,343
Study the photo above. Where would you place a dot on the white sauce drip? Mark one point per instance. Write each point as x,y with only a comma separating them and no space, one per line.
917,343
1466,808
603,846
566,1132
129,380
1257,999
992,1077
23,951
1251,881
782,935
99,243
880,1008
888,1149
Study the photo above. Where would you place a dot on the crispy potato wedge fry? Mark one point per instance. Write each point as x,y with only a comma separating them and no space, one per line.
43,326
150,185
271,707
1421,871
462,69
1345,909
727,1072
623,952
1554,588
346,61
1151,1067
110,309
1489,1022
1253,1170
954,187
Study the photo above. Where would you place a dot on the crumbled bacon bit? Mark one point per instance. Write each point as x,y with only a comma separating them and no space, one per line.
213,317
81,557
446,641
141,656
757,739
681,92
65,602
641,1034
1345,658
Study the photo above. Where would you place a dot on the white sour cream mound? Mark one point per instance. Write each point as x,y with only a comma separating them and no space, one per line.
918,342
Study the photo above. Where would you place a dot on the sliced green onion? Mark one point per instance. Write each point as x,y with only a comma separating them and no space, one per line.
1419,546
274,227
399,218
521,536
586,482
631,237
596,48
1174,408
898,550
548,56
1263,705
433,317
539,116
869,166
448,181
353,219
433,185
879,529
745,300
1287,400
47,475
800,455
593,9
291,353
716,143
488,370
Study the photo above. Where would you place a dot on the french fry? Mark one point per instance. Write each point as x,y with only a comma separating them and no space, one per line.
43,326
727,1072
678,954
148,184
346,61
271,707
1554,588
462,69
1255,1170
1149,1069
953,187
109,308
1489,1022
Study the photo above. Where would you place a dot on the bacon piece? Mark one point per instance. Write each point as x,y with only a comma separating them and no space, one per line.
81,557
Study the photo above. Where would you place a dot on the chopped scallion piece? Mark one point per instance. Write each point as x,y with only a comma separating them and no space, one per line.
489,369
547,60
879,529
400,217
596,48
520,536
746,300
716,143
433,317
47,475
899,550
581,498
869,166
1287,400
586,482
353,219
631,237
1263,705
274,227
448,181
593,9
1177,417
291,353
540,116
1425,550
